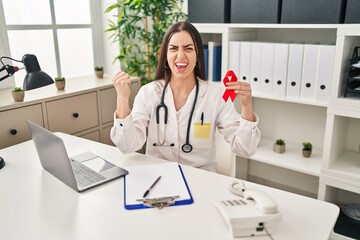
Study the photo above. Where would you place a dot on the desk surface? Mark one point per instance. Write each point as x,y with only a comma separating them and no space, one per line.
35,205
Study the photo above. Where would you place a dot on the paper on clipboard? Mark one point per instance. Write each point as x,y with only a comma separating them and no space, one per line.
140,178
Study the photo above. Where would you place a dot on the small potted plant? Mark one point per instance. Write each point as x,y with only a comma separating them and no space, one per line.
18,94
60,83
99,71
307,149
279,146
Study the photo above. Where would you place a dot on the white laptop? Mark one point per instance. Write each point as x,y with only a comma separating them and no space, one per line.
79,172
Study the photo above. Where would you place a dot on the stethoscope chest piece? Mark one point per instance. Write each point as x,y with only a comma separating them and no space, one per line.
187,147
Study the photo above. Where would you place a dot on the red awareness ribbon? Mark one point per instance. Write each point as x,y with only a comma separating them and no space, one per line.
229,77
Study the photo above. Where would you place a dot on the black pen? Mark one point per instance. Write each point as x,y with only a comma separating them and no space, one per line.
202,118
152,185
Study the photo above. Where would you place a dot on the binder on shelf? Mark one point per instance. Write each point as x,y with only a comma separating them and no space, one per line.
280,69
295,63
217,64
206,61
214,70
255,66
234,57
324,73
141,177
309,73
267,68
245,61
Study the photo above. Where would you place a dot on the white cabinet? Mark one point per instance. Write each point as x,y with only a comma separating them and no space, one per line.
108,101
73,114
332,173
106,136
13,128
85,108
107,104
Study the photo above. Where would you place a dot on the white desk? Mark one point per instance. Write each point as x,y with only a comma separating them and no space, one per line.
35,205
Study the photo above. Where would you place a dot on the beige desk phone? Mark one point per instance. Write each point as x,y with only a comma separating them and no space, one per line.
254,214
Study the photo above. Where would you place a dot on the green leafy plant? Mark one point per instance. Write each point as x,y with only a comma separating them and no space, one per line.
280,141
59,79
98,68
17,89
307,146
139,29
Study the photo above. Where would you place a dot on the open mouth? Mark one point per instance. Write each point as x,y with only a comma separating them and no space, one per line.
181,65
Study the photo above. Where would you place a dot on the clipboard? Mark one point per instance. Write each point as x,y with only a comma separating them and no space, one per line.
140,178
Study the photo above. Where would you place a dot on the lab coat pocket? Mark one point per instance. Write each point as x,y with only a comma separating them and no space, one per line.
202,135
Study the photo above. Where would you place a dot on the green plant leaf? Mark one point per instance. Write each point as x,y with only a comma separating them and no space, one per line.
130,32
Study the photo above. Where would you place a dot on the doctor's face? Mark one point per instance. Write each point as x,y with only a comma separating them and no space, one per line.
181,55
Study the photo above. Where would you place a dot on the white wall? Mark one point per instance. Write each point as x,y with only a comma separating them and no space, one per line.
9,82
4,51
111,50
185,6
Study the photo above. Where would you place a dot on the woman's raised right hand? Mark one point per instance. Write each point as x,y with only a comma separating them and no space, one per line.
121,82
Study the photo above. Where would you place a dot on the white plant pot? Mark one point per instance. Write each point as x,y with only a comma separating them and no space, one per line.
279,148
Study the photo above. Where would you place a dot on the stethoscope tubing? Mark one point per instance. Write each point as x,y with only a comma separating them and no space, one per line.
186,147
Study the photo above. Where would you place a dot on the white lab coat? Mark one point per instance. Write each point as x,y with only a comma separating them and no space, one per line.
129,134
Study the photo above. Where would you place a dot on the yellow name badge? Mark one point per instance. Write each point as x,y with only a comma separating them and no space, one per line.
202,130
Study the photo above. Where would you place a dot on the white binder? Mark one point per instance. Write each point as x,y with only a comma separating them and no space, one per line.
280,69
234,57
267,68
309,74
324,73
245,61
295,64
255,67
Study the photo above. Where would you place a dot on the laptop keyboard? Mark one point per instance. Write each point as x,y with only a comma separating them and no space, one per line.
85,176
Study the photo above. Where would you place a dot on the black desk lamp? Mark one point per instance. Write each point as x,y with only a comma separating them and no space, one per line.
35,78
2,163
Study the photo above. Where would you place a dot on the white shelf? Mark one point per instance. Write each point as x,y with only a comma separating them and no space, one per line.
290,100
336,236
284,99
203,26
291,159
349,102
339,117
73,86
344,171
347,111
332,127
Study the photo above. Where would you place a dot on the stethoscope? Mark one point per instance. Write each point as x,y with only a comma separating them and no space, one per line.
186,147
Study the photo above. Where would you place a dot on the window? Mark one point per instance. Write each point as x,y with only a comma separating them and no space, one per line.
61,33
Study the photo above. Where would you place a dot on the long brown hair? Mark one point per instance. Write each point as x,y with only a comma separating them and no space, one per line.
163,72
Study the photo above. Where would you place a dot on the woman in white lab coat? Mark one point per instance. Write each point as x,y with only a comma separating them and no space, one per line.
180,110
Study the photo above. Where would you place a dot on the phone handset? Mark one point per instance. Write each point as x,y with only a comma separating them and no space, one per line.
263,202
253,214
